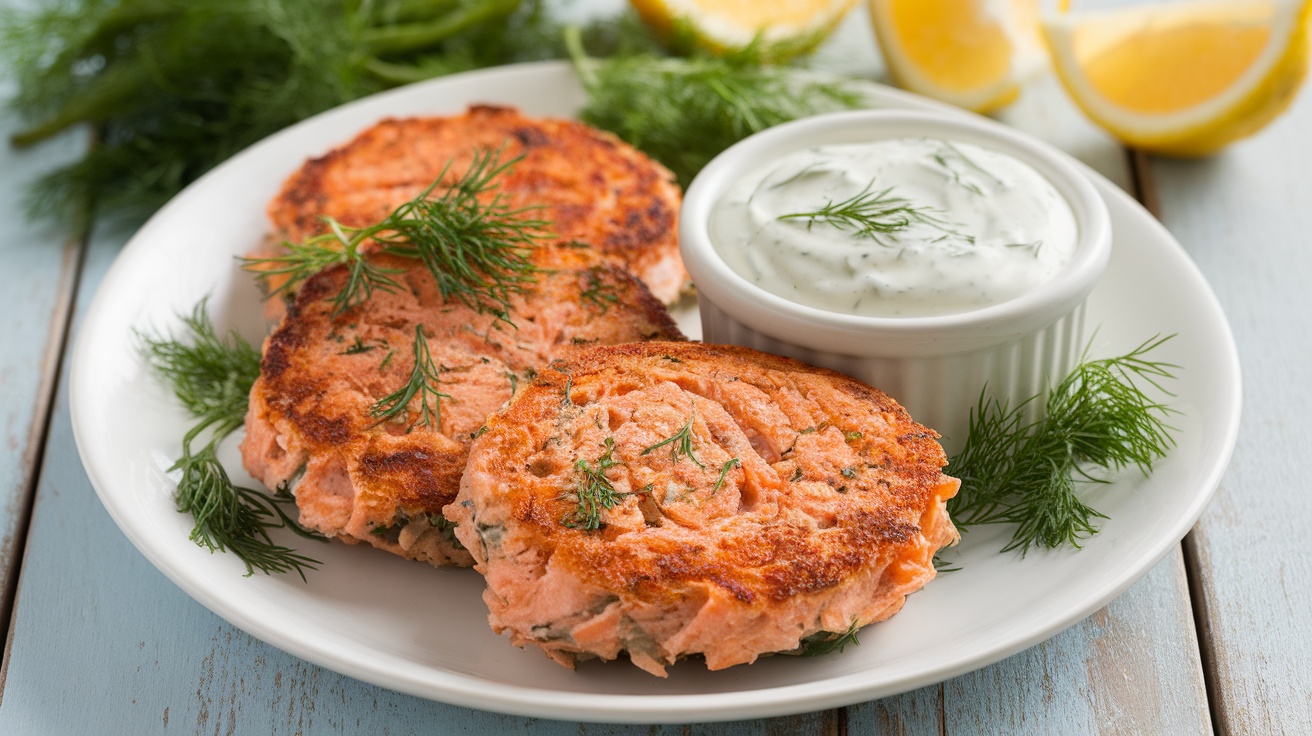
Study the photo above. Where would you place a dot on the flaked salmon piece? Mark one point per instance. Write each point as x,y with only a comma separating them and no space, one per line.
591,186
309,426
670,499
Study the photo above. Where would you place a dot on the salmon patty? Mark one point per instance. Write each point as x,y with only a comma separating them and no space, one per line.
314,427
669,499
591,186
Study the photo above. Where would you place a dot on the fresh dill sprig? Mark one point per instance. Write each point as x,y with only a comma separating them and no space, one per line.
474,243
340,245
423,382
876,214
827,642
476,246
357,347
683,112
594,492
1025,473
598,293
729,464
680,445
212,376
949,154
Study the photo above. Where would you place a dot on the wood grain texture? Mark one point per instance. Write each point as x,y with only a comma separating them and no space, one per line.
1132,667
1245,218
37,280
95,619
1112,673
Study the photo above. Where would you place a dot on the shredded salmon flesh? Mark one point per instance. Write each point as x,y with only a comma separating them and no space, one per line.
591,186
311,423
665,499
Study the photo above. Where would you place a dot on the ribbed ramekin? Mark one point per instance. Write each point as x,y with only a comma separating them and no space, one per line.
935,366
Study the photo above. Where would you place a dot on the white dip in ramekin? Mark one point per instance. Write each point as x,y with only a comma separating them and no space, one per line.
927,255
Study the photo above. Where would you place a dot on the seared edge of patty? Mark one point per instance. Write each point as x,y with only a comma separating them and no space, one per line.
831,518
593,187
309,426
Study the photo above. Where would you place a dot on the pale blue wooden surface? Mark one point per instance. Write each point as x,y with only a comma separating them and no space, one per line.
36,282
1246,218
102,643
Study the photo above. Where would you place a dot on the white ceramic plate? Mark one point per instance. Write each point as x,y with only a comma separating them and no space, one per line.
421,630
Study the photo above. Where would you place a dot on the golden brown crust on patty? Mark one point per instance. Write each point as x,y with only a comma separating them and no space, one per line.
829,512
387,483
592,187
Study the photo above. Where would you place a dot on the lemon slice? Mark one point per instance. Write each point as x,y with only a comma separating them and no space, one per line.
1184,79
971,53
786,27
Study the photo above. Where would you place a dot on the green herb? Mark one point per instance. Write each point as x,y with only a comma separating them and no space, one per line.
341,245
386,360
594,492
212,377
850,472
942,565
1034,246
680,444
683,112
423,382
474,244
599,293
1025,473
950,154
358,347
797,475
730,464
852,436
177,86
877,214
827,642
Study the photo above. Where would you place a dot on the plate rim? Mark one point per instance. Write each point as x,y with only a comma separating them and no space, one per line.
465,690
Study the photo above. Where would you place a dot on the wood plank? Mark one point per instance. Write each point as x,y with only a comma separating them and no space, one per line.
1132,667
95,617
1244,218
38,282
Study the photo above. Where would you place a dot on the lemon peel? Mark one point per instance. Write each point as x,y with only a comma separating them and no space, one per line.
1185,79
972,53
783,28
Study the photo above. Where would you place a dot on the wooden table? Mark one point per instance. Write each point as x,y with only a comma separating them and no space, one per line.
1215,638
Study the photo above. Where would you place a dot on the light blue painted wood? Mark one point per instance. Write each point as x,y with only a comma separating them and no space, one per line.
1245,216
917,713
95,619
36,282
1131,668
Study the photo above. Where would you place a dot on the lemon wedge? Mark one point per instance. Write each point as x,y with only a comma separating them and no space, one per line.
784,27
1183,79
971,53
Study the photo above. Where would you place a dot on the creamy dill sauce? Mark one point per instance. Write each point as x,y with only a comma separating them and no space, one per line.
905,227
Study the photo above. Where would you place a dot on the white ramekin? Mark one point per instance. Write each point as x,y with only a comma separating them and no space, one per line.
936,366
